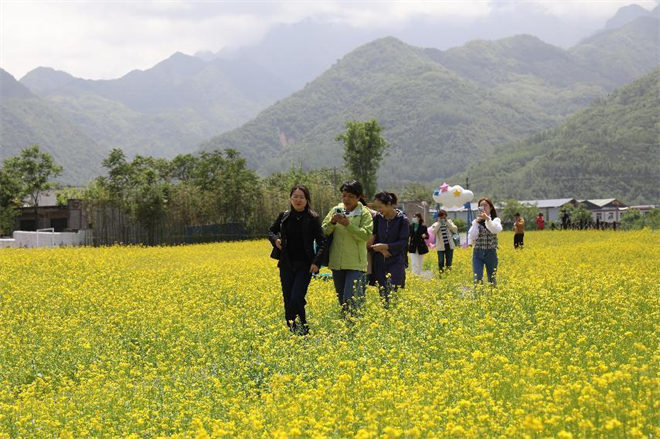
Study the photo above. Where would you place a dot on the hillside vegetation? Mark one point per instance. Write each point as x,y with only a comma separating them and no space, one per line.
610,149
442,111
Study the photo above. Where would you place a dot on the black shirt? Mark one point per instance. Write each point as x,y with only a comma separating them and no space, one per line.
295,246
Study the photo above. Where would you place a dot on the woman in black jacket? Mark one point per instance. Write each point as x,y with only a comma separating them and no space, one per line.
293,234
417,247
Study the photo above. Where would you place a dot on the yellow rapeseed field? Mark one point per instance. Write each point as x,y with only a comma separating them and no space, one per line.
190,342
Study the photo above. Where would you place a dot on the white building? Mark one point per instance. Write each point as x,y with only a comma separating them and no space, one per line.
551,208
605,210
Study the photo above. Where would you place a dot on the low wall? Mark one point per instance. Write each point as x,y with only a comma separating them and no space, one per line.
45,239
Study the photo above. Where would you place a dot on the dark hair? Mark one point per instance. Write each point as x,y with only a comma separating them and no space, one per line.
516,214
352,187
442,212
305,191
493,212
386,197
419,216
540,214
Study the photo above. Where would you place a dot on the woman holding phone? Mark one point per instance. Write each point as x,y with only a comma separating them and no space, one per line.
349,226
444,229
483,236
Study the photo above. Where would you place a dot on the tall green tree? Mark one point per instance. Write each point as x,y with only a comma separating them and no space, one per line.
35,170
238,188
11,190
364,148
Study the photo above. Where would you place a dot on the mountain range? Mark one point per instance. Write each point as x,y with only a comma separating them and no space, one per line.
26,119
321,43
442,110
166,110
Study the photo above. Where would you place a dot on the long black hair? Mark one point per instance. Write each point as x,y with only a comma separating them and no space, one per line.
493,212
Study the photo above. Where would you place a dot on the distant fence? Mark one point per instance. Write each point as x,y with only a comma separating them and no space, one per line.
37,239
172,234
216,232
128,235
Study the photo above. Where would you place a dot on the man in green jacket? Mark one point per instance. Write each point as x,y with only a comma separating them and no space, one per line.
351,225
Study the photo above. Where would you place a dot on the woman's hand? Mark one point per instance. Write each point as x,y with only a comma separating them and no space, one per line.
386,253
380,248
482,216
425,236
339,219
314,269
278,244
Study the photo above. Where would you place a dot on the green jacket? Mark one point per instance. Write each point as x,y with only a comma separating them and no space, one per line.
348,250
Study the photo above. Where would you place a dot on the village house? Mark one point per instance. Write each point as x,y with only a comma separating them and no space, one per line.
606,210
551,209
69,217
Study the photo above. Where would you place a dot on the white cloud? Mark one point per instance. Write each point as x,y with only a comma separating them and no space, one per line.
90,41
106,39
589,9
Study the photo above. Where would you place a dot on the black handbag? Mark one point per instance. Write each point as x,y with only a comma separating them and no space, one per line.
277,253
325,257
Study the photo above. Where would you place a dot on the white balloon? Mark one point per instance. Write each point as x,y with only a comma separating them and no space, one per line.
455,196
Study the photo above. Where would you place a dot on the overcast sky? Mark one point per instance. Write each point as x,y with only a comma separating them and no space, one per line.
107,39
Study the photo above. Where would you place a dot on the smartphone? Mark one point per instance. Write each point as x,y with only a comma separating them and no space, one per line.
339,211
481,210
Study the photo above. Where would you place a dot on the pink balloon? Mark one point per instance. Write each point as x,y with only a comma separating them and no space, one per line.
430,241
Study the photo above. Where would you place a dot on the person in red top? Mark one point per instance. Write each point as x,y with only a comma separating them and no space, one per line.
540,222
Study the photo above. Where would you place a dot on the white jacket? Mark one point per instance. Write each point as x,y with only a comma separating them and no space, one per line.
494,226
451,229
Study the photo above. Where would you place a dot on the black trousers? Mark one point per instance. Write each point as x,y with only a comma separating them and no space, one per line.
445,257
294,289
518,240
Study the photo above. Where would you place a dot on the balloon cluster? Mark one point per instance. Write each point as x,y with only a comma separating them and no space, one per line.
452,196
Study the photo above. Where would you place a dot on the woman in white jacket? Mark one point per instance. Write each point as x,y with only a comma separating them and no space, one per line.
444,229
483,236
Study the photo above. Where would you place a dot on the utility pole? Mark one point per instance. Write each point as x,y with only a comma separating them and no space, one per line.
334,179
468,206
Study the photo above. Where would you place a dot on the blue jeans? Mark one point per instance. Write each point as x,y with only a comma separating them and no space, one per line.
481,258
349,285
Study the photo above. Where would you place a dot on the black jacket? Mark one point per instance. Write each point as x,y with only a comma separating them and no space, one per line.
312,231
417,243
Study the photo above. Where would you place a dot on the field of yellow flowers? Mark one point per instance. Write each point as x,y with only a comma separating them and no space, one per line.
190,342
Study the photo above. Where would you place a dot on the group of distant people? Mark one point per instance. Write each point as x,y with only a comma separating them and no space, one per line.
364,246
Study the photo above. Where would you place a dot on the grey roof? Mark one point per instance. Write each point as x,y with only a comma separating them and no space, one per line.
602,201
557,202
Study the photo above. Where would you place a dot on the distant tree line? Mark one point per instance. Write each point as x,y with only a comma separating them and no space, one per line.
151,201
